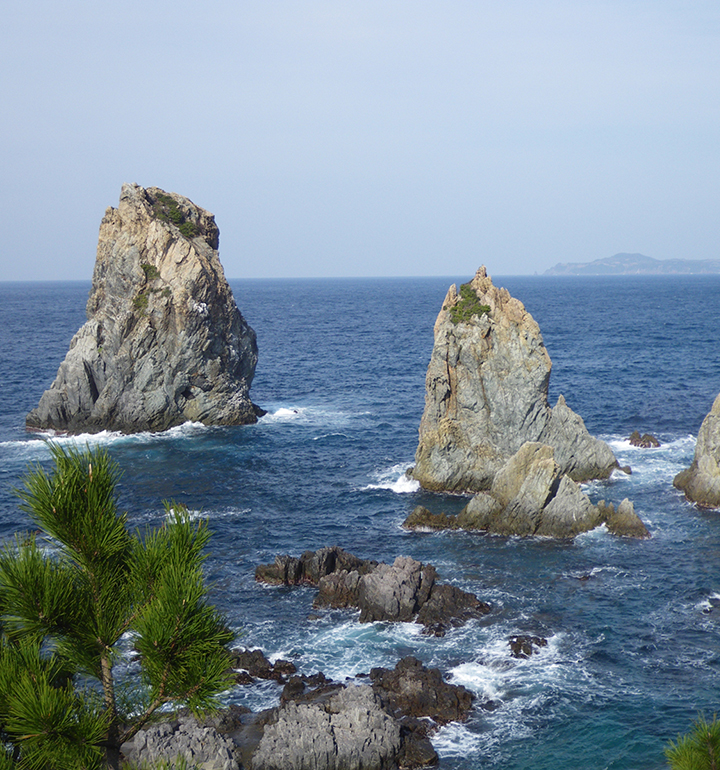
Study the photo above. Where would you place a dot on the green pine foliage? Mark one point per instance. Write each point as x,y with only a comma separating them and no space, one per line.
70,596
697,750
468,305
166,209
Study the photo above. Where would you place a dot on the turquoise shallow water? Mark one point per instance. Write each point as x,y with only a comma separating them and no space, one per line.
634,649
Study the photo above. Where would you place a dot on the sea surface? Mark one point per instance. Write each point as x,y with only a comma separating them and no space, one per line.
634,635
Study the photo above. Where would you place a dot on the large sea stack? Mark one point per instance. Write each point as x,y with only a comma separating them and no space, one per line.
164,342
701,481
486,394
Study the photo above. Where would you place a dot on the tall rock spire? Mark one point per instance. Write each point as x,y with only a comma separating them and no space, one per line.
164,342
486,394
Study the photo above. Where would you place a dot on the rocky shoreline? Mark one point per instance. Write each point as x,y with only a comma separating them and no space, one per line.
383,720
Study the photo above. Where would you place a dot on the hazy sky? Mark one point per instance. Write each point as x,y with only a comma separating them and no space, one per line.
375,137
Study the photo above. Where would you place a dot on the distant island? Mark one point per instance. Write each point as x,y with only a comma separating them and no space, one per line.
636,264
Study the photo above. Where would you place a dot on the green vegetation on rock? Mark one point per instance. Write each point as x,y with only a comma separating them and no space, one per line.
151,272
72,591
166,209
697,750
140,302
468,306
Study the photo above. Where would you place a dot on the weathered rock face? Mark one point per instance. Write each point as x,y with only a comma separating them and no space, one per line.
531,496
701,481
486,394
350,730
164,342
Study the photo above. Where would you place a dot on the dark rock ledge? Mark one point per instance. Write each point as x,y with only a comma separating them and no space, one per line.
405,590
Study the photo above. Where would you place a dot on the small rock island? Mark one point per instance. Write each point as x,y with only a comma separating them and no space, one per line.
164,342
488,428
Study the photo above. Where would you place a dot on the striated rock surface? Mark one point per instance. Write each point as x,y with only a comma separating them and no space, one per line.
486,394
701,481
349,730
532,496
202,745
164,342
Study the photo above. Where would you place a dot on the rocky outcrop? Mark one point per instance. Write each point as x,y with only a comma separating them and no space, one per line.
164,342
530,495
486,394
701,481
413,690
349,730
380,721
646,441
201,744
403,591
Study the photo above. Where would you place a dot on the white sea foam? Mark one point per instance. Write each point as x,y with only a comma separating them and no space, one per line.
37,448
285,414
395,479
456,740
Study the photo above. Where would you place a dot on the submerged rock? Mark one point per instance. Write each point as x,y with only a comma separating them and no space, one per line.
531,496
701,481
164,342
486,394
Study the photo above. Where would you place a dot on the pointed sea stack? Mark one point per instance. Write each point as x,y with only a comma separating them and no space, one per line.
701,481
164,342
486,394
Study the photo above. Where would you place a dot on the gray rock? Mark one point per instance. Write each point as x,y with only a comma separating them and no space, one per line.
623,521
349,731
202,745
701,481
486,395
395,592
568,513
403,591
531,495
164,342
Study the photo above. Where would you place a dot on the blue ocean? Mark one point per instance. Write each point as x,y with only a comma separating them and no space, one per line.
633,626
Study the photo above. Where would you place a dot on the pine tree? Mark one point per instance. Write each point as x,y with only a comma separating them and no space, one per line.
699,749
75,596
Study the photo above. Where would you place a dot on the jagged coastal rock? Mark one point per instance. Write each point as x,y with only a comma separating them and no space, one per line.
701,481
164,342
486,394
531,496
403,591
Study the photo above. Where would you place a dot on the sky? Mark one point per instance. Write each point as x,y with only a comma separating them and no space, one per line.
368,138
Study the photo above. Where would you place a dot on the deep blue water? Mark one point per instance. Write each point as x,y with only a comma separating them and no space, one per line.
634,650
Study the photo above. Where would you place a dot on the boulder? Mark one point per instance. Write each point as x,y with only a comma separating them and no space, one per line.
164,342
524,646
701,481
395,592
622,521
311,567
258,666
646,441
414,690
486,394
